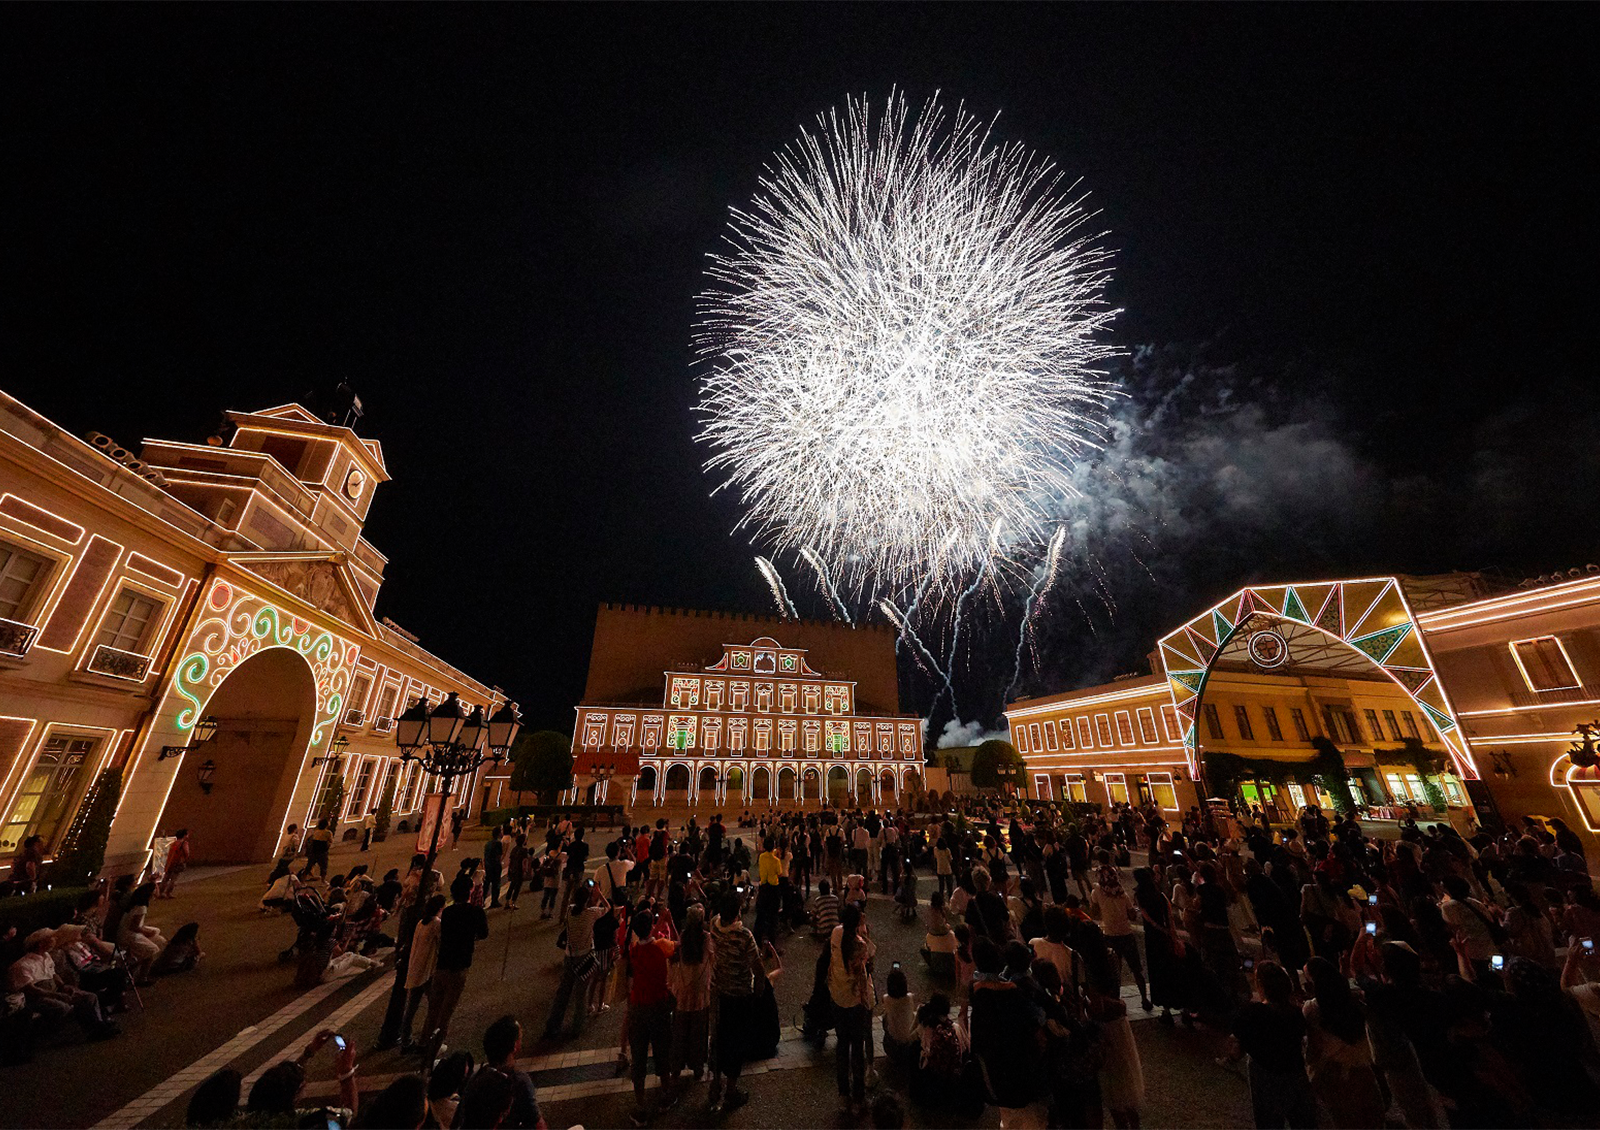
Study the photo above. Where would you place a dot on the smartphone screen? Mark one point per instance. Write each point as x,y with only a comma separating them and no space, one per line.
1372,900
1497,962
1588,944
1372,927
338,1042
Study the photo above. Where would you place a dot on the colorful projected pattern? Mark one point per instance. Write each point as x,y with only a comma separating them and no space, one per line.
1370,616
238,624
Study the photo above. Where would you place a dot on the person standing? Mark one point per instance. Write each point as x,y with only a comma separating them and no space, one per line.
770,871
850,986
1270,1031
461,927
493,865
177,861
369,825
517,867
318,842
580,964
421,960
737,964
650,1013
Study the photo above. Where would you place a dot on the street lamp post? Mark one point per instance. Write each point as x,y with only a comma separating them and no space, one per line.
448,746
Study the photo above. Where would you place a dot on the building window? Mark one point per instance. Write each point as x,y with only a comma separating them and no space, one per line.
1394,727
1372,725
1085,739
1102,730
1076,789
764,699
740,694
1544,664
20,574
1409,721
1213,722
48,792
1065,729
1298,717
1050,741
1587,794
1021,739
386,699
713,696
1169,721
1124,728
127,626
1428,732
1034,738
1274,731
1241,717
360,687
388,779
786,695
1117,788
1147,726
1163,792
409,792
812,697
363,785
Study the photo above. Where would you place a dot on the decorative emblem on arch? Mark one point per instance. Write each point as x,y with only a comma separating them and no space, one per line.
237,624
1369,616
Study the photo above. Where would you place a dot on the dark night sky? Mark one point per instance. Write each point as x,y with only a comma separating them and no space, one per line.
492,222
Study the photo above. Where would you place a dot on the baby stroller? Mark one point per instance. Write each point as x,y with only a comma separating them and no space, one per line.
313,924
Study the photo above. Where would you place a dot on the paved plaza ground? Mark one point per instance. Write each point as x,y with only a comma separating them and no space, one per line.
240,1008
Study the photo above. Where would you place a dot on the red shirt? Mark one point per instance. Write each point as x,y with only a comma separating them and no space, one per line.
649,963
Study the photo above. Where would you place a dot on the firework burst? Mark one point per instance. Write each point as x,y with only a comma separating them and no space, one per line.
901,350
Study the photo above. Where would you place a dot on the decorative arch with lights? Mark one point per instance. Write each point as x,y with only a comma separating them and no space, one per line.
1370,616
236,624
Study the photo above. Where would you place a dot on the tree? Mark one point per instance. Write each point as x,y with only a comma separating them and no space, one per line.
541,763
332,799
83,851
385,812
988,759
1330,768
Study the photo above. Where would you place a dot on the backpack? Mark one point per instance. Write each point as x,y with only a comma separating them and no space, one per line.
550,867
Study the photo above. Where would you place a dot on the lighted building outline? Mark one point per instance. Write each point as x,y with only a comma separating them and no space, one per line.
758,727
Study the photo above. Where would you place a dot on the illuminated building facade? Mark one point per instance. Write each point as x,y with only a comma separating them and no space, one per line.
227,580
1494,684
779,717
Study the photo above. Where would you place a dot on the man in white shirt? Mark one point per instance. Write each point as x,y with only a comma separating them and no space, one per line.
1111,904
611,877
34,976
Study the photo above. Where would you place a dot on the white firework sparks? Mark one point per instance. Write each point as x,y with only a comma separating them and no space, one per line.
902,344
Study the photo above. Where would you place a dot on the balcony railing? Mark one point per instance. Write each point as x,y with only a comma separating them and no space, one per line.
1551,698
119,664
382,725
16,637
354,717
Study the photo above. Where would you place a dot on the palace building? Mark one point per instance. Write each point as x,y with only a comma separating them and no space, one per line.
706,709
224,582
1433,689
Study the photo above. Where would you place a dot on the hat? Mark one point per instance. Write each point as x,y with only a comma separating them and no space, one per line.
44,935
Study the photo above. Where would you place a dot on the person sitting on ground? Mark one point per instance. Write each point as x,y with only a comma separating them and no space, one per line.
445,1085
181,952
34,976
216,1101
855,891
824,910
87,962
275,1098
901,1045
402,1105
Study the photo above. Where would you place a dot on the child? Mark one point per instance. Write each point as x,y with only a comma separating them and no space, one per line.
908,893
901,1044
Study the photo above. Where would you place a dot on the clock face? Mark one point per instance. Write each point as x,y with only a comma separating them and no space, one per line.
354,483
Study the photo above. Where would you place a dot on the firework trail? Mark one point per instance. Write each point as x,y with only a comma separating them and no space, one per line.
923,657
901,349
779,593
1035,597
827,584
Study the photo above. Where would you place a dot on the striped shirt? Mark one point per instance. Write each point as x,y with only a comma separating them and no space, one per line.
825,913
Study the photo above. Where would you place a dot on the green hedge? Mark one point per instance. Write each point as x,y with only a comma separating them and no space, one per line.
44,908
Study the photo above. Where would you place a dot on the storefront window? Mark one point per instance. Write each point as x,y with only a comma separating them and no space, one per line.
1117,788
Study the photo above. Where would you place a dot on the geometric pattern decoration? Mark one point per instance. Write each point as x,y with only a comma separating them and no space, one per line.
237,625
1370,616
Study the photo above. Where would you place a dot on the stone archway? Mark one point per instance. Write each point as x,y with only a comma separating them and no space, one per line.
838,786
645,784
266,712
706,787
675,787
786,783
760,783
734,791
864,786
811,785
886,789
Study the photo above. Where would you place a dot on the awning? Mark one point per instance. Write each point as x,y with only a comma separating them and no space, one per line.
1584,775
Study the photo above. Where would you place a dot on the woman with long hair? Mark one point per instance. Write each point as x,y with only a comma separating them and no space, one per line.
1122,1077
689,976
850,985
140,942
1338,1054
1270,1032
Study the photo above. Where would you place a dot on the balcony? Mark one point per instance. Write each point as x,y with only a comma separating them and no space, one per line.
1553,698
16,637
382,725
354,717
119,664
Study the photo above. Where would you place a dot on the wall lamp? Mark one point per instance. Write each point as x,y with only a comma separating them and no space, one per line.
204,731
208,770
